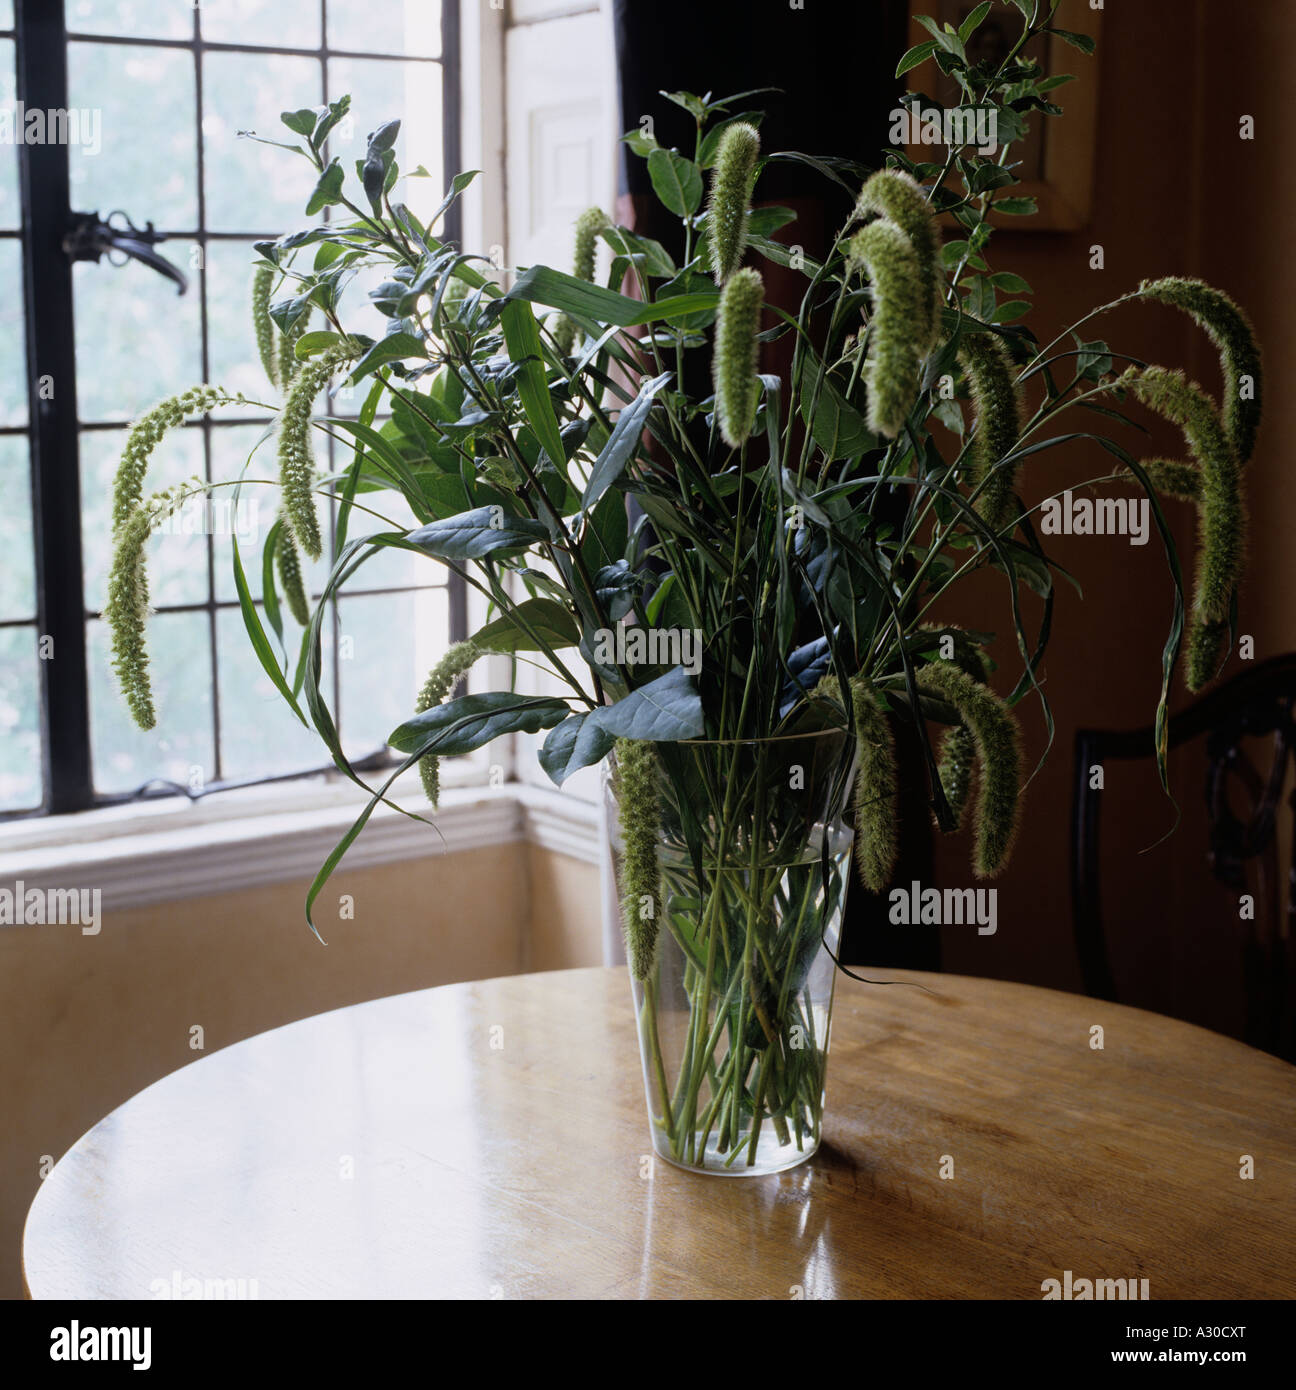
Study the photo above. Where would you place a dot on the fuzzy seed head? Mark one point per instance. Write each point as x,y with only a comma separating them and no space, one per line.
997,427
588,225
262,324
639,814
897,196
898,326
729,205
288,564
440,683
296,457
1231,332
998,753
877,820
737,355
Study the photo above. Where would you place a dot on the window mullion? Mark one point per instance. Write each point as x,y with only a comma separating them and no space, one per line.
51,368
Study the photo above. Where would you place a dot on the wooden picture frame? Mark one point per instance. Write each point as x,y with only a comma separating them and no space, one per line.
1060,172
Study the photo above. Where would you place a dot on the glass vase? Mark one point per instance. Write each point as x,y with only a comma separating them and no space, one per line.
734,939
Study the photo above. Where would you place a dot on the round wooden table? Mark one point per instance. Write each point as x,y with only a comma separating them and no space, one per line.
490,1140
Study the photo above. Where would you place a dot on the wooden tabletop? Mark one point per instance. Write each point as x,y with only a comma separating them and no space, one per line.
490,1140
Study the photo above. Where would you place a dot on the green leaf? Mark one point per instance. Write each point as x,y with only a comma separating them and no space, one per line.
1013,310
650,255
1016,207
577,742
1010,284
622,442
973,21
328,191
677,181
482,531
256,634
311,344
694,105
919,53
459,726
640,142
536,625
663,711
1081,41
394,347
523,339
553,289
300,122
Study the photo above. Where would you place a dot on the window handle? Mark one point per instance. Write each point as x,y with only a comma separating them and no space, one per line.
89,237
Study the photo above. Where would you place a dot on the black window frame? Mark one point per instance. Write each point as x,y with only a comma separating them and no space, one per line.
53,427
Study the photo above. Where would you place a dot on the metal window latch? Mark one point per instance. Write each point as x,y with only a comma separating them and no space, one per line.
89,237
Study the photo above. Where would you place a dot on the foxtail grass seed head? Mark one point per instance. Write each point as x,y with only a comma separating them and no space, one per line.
997,427
127,607
895,330
1205,653
1221,514
1172,478
288,563
897,196
296,456
957,754
730,201
288,363
998,752
588,225
1230,331
441,681
262,324
639,814
877,815
737,355
147,433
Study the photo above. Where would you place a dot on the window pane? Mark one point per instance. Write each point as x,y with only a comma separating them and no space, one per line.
231,446
6,14
386,646
278,23
388,91
390,569
149,155
13,336
10,208
145,19
177,562
253,187
412,27
17,589
260,735
179,749
137,339
20,747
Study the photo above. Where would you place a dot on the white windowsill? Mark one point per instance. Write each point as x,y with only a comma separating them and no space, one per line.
174,849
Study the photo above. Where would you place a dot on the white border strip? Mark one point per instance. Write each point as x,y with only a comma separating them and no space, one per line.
175,861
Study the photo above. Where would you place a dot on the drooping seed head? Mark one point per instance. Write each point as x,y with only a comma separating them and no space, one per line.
897,196
296,456
1231,332
877,817
588,225
998,751
996,430
441,681
263,326
897,328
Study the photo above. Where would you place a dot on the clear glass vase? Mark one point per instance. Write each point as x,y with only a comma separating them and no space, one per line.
735,1004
